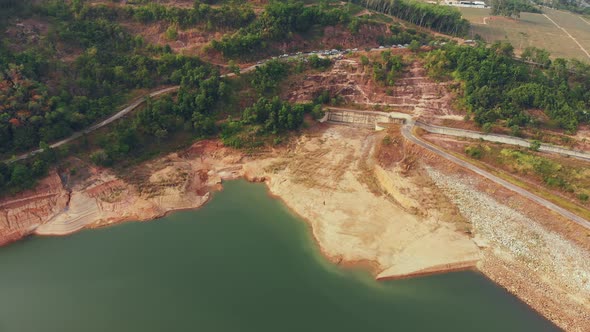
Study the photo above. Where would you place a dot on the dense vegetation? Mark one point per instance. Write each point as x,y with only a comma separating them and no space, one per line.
401,36
43,99
192,111
445,19
565,176
226,16
269,117
277,23
511,8
497,87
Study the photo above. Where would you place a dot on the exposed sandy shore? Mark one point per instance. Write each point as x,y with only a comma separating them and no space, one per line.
381,206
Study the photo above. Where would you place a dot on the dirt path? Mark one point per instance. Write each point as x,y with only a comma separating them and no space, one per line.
567,33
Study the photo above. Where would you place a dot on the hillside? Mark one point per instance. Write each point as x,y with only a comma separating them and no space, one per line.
214,90
563,34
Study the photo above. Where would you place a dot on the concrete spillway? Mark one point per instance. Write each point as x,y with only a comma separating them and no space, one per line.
366,119
372,119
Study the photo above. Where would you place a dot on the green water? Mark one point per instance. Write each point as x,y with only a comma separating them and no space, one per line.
242,263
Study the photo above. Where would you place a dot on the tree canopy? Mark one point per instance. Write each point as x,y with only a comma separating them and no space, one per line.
446,19
496,87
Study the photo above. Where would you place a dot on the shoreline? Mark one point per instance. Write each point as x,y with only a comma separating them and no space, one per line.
369,266
353,228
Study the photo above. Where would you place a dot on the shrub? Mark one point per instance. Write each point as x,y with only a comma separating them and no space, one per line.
101,158
475,152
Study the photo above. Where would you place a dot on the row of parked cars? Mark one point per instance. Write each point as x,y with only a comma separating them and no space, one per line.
329,52
394,46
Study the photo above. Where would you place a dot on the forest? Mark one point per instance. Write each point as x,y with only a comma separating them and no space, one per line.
225,16
43,99
445,19
277,23
497,87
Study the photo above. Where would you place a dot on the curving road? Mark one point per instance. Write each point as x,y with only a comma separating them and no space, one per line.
139,101
99,125
114,117
407,132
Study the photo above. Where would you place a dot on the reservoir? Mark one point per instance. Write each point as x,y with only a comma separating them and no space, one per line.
242,263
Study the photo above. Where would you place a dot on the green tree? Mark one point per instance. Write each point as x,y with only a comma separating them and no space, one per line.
364,60
414,46
233,67
171,33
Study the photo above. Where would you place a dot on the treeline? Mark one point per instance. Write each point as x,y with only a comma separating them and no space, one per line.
192,112
274,115
445,19
511,8
498,88
278,22
268,117
401,36
226,16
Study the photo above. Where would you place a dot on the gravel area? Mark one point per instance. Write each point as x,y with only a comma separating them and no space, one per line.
516,239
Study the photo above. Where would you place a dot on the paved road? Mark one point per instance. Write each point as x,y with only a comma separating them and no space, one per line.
99,125
448,131
114,117
407,132
139,101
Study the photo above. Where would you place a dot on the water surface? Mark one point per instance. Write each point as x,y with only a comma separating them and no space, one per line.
242,263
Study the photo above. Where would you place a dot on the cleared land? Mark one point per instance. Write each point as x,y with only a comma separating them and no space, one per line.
534,30
578,27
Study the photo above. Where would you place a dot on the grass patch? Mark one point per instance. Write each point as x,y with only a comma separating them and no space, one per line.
533,30
562,184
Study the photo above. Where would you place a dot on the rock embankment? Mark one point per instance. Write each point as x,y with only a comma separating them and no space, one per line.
21,214
100,197
540,266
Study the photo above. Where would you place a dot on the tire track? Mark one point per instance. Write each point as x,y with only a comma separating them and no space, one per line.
567,33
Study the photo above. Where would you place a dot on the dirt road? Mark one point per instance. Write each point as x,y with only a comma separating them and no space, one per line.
567,33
